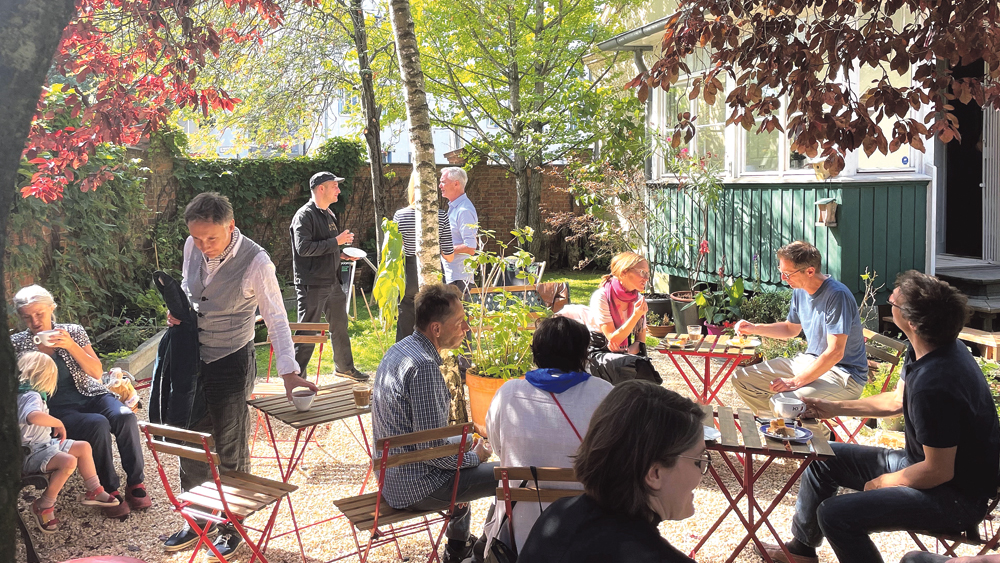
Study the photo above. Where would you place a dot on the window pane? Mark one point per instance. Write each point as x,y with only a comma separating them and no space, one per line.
712,140
762,151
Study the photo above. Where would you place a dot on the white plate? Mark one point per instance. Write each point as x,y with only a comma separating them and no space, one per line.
354,252
712,434
753,342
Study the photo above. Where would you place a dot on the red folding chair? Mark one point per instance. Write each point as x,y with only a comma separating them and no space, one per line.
882,349
229,498
985,535
369,512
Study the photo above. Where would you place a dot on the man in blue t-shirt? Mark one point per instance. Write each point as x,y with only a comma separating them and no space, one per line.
834,365
944,478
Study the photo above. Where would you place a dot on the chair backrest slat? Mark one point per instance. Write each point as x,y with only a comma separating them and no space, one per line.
442,433
544,473
174,433
881,355
527,494
197,454
308,326
426,454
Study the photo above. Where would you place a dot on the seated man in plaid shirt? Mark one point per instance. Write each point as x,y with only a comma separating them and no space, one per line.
410,395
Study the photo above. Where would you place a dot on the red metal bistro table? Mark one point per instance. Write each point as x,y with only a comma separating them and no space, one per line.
754,445
705,381
332,403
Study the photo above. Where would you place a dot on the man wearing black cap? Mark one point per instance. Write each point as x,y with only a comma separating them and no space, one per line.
316,242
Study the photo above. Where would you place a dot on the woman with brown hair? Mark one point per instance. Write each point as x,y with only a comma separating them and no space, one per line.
642,457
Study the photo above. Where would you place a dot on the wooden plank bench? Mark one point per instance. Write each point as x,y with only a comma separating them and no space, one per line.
986,342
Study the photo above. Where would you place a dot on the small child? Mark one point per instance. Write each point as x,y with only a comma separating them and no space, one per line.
44,454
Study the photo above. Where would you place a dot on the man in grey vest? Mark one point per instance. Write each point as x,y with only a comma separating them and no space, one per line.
227,277
316,243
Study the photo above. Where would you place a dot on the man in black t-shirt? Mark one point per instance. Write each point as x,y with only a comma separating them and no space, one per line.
948,471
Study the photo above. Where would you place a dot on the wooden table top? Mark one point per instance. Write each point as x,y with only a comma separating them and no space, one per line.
754,441
717,345
333,402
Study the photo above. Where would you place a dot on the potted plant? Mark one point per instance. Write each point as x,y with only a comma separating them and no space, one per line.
657,325
721,306
502,327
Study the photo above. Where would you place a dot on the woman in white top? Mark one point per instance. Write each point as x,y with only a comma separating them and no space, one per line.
540,420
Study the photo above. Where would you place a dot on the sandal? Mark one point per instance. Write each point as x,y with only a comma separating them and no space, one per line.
90,499
45,518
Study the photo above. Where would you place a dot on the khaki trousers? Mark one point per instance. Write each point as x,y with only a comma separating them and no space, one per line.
753,383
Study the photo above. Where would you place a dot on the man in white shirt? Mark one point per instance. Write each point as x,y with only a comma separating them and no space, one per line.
217,260
464,223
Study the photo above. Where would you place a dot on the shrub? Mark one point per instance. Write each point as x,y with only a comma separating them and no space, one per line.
767,306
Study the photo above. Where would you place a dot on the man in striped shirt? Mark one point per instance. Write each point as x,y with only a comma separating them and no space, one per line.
410,395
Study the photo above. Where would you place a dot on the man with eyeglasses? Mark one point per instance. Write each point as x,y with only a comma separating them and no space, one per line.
834,365
943,479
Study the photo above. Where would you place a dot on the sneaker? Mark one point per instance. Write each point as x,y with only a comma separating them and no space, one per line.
185,538
137,497
227,543
354,375
778,556
452,555
121,510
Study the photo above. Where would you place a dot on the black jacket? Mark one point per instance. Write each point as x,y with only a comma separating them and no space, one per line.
315,252
175,374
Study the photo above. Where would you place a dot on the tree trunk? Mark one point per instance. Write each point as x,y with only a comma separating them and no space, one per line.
373,121
421,138
29,35
534,191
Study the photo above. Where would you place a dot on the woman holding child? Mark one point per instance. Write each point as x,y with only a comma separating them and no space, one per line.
81,402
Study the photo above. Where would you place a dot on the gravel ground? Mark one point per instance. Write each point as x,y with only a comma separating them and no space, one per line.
336,471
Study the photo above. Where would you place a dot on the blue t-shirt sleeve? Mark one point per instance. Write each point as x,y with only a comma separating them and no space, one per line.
839,314
793,309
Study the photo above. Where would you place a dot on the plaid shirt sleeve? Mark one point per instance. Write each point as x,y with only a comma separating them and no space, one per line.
431,404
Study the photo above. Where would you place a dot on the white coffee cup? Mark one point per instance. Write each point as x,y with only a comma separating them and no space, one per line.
45,337
787,407
303,399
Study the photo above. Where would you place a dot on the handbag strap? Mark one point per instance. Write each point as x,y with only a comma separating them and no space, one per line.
571,425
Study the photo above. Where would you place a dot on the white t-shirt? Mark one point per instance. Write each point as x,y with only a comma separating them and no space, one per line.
526,427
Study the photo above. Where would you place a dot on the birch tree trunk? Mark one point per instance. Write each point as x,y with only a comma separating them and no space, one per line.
373,121
422,139
29,35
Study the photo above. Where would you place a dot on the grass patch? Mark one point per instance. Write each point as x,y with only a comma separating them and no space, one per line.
581,284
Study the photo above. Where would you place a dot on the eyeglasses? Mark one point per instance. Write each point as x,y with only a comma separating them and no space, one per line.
644,274
894,304
786,275
703,462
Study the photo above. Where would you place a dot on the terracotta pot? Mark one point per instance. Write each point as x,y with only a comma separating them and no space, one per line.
659,331
481,391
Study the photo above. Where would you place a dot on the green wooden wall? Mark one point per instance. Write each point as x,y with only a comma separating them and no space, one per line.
881,225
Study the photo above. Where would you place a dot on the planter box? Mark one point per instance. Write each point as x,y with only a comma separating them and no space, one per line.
140,362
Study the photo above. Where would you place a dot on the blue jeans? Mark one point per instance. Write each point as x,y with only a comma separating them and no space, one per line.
94,421
847,520
221,409
473,483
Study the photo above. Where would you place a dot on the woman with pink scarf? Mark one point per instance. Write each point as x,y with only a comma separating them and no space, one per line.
618,313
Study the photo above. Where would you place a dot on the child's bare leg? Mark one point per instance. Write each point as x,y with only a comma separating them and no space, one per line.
59,468
85,461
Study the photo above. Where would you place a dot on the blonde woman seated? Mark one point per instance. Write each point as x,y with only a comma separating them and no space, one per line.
639,463
618,319
539,420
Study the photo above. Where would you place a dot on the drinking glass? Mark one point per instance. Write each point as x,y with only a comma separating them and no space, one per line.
694,330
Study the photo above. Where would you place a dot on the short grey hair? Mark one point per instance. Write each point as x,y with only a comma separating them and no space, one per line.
456,173
31,295
209,207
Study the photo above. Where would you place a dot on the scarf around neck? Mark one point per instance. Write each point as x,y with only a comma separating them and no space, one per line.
214,263
553,380
617,293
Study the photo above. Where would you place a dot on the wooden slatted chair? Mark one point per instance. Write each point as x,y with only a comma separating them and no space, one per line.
985,535
881,349
369,512
230,497
529,476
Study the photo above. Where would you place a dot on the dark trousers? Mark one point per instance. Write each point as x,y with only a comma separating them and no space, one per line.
330,300
94,421
407,309
223,389
473,483
847,520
